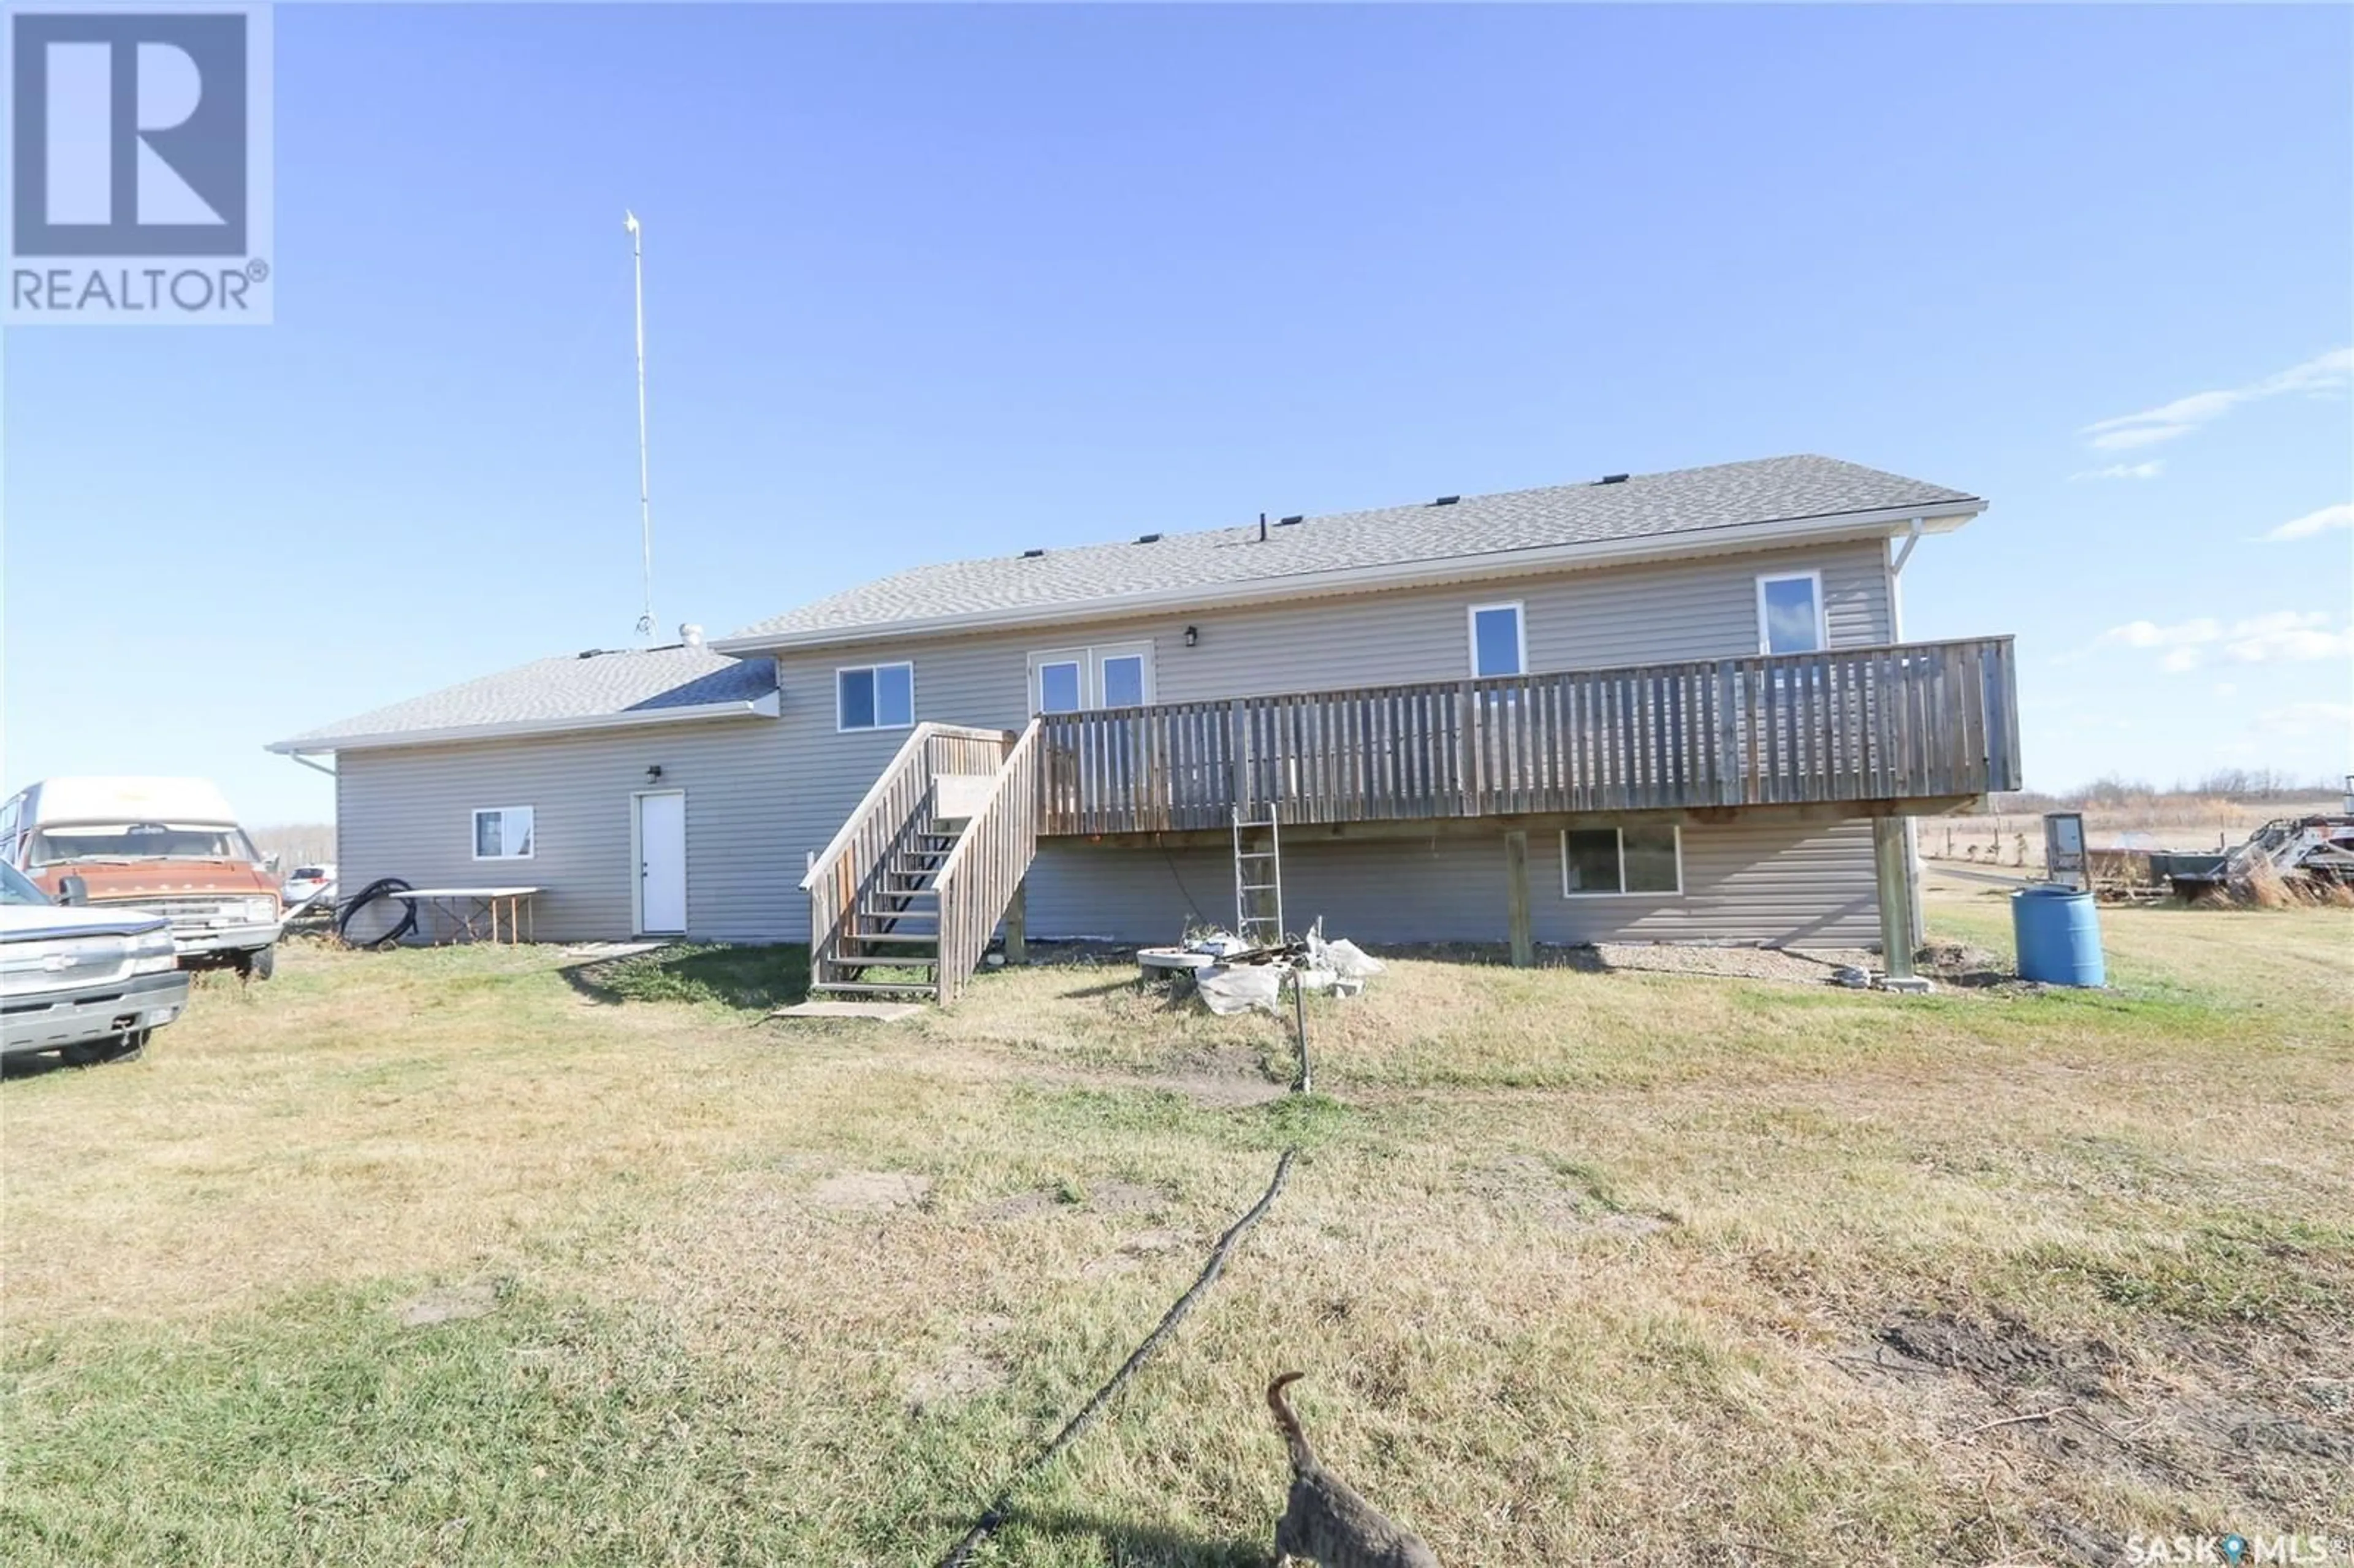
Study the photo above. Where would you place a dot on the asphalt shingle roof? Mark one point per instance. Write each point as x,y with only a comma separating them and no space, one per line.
1728,495
602,684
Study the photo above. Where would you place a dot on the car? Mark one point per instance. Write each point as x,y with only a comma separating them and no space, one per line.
89,984
168,846
306,884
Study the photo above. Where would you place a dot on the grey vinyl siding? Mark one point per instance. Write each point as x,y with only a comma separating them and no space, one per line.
764,795
409,813
1775,883
1584,620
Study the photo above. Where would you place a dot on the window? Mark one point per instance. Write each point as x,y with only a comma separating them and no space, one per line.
1498,647
874,696
1067,680
1790,614
1607,862
503,832
1060,683
1123,680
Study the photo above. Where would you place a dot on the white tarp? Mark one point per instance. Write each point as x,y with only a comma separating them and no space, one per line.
1343,957
1229,989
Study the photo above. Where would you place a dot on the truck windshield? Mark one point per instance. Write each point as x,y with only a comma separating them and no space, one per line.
137,841
15,889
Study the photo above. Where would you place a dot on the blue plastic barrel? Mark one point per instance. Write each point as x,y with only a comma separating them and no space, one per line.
2059,936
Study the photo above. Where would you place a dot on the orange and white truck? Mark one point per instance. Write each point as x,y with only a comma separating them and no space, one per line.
171,846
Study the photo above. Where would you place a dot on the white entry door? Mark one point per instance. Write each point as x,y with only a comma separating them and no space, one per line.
661,861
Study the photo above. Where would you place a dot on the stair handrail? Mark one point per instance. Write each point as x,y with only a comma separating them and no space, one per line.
986,864
909,756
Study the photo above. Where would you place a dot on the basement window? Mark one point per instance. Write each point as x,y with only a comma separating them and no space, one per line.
503,832
874,696
1610,863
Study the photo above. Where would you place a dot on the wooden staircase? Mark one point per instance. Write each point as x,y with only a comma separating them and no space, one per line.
903,901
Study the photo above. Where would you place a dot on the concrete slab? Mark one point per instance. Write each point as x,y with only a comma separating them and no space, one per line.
879,1011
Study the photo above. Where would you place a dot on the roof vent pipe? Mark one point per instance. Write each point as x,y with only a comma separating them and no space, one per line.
1262,528
690,634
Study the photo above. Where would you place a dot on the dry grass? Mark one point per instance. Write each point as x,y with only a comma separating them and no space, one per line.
2174,821
1584,1267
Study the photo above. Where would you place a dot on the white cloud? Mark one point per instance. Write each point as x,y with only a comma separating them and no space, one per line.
2149,470
2326,373
2284,636
2298,719
2339,516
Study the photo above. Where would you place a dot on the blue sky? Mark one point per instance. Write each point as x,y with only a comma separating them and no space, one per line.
930,282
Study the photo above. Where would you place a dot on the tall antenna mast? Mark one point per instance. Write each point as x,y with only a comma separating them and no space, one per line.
645,505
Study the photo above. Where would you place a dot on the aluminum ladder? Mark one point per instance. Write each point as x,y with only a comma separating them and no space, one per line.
1258,881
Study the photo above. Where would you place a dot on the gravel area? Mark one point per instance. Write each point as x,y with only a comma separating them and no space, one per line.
1803,966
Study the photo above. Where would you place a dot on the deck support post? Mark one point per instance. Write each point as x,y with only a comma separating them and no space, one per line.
1893,877
1516,897
1017,921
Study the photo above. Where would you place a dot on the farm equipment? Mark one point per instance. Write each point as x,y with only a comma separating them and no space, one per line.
2293,850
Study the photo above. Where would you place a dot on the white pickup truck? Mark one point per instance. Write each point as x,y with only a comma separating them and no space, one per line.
88,983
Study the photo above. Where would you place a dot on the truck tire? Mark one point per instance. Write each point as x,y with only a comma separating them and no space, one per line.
260,964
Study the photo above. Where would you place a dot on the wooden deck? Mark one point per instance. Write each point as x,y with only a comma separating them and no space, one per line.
1926,721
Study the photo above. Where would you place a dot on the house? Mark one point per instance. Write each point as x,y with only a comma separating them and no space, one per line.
1672,707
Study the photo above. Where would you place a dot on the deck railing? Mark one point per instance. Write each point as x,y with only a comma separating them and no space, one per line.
977,881
1903,721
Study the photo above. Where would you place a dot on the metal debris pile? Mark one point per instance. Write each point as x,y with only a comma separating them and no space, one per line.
1232,976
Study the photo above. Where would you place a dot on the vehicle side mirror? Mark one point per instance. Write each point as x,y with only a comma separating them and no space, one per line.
72,891
269,862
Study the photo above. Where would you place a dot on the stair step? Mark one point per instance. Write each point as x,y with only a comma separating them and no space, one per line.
900,936
874,988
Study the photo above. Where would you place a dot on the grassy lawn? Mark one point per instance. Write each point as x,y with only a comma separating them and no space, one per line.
485,1257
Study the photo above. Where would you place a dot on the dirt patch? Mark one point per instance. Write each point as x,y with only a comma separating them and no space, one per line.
1137,1250
1022,1207
2005,1352
960,1375
1220,1080
1125,1198
2080,1404
1526,1184
870,1190
1104,1197
451,1304
1965,967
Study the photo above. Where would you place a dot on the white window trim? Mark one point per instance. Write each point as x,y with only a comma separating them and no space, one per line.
1823,611
842,670
474,831
1090,662
1045,656
1576,894
1520,634
1140,651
